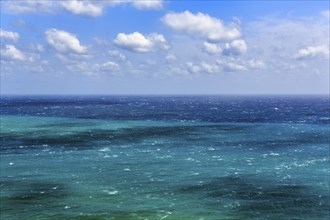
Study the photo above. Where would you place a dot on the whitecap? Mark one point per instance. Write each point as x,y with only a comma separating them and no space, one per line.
105,149
114,192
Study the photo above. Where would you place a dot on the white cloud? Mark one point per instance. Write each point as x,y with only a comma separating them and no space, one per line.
201,25
148,4
193,68
102,41
209,68
73,57
109,66
235,48
36,47
40,48
136,42
311,52
231,66
170,57
9,35
81,67
138,4
11,52
211,48
64,42
83,8
203,67
79,7
31,6
256,64
117,54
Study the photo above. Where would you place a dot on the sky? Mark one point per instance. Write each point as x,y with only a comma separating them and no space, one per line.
155,47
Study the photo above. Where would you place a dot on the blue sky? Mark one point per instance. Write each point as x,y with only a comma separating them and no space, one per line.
164,47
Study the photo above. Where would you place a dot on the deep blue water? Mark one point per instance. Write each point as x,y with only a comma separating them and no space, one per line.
144,157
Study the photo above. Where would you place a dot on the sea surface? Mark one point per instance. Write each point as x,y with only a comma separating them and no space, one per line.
172,158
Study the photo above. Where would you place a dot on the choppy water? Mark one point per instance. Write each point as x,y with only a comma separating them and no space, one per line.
165,157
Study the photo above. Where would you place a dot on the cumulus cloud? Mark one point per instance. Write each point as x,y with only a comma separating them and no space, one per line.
12,53
79,7
231,65
311,52
193,68
201,25
148,4
109,66
170,57
83,8
36,48
101,41
235,48
136,42
117,54
9,35
40,48
256,64
28,6
73,57
211,48
202,67
64,42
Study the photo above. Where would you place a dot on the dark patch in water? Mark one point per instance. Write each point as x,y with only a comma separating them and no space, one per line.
66,125
26,191
119,136
198,134
259,198
111,215
21,197
47,103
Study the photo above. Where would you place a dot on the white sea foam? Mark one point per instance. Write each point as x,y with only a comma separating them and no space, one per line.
190,159
114,192
105,149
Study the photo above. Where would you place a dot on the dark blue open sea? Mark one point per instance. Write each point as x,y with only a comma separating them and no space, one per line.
144,157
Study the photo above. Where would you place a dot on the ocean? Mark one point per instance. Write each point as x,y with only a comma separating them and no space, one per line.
165,157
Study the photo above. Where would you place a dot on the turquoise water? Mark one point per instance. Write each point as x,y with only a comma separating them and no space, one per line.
171,163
